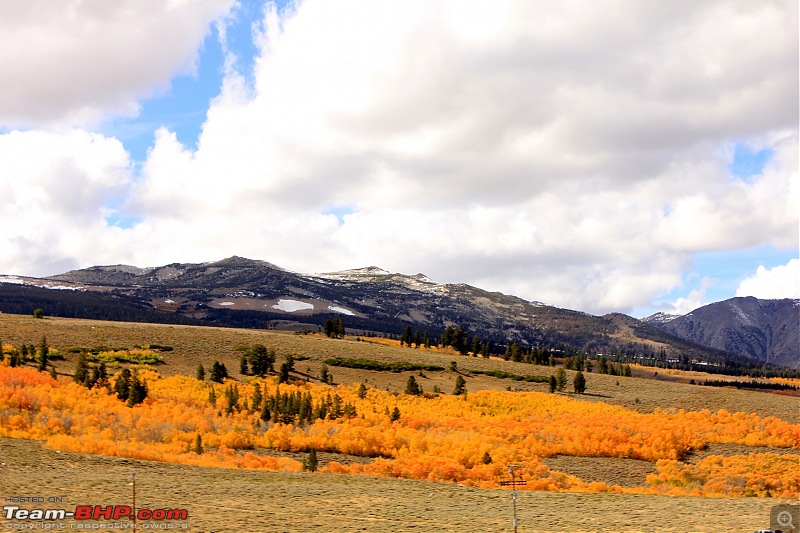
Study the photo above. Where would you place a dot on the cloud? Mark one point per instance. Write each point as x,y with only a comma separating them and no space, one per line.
782,281
571,153
56,189
73,62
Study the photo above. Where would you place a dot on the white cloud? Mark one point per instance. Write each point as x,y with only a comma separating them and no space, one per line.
782,281
73,61
55,190
573,153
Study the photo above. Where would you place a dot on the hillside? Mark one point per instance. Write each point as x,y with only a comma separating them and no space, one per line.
764,330
242,292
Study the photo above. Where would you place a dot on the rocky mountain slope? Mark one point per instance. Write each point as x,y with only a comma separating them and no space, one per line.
249,293
766,330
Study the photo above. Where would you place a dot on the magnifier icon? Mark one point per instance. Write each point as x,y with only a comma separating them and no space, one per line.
784,519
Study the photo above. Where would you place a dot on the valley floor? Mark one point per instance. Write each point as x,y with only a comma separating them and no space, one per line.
220,500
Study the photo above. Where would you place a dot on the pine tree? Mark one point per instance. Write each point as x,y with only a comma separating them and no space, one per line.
338,328
579,383
218,372
324,374
137,391
405,338
283,373
261,360
553,383
461,386
412,387
212,396
362,391
201,373
44,350
81,368
123,384
311,464
198,445
561,379
244,368
602,365
487,458
257,398
395,416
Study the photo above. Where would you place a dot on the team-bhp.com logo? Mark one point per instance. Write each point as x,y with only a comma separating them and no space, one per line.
110,513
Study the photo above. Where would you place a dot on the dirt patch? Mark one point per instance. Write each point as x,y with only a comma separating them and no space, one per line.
728,450
609,470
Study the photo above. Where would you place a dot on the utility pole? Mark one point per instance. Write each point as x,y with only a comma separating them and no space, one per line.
514,482
133,473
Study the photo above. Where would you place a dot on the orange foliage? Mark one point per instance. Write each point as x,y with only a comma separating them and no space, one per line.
439,439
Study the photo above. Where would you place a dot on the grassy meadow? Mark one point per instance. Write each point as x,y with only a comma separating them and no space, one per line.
596,487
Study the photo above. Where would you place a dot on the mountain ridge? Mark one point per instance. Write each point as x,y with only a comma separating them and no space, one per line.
237,291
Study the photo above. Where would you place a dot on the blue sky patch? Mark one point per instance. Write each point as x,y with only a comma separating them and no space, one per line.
748,162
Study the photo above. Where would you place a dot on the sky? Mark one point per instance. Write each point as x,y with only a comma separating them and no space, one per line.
605,156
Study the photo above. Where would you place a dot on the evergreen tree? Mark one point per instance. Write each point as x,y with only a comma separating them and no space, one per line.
218,372
311,464
244,368
38,313
257,398
395,414
329,328
53,373
561,379
122,386
602,365
427,339
553,383
476,345
212,396
266,414
516,352
283,373
579,383
23,354
362,391
198,445
201,373
261,360
405,338
338,328
461,386
412,387
44,350
137,391
81,368
487,458
627,371
324,374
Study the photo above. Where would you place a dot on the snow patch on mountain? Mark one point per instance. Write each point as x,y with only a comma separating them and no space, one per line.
291,306
342,310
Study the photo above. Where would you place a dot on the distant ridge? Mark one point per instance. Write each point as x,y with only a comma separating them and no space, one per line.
765,330
242,292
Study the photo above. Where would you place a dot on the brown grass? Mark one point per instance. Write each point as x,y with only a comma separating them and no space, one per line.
220,500
194,345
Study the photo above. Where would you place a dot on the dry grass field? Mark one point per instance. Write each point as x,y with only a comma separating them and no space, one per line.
193,345
243,500
222,500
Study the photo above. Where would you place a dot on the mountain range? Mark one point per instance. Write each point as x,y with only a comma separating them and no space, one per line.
248,293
